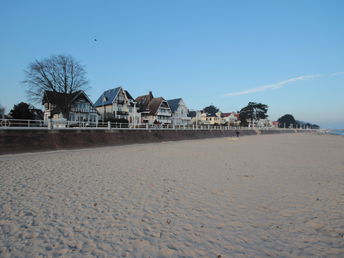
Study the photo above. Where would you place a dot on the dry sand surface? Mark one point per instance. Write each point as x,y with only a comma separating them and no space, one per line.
266,195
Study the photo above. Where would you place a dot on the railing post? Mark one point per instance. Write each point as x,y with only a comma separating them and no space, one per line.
109,125
28,123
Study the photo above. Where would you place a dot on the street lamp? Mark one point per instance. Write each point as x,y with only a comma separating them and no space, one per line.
134,113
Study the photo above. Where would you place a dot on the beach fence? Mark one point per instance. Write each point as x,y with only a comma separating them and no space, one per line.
15,124
8,124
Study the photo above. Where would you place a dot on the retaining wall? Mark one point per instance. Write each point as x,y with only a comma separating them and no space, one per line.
18,141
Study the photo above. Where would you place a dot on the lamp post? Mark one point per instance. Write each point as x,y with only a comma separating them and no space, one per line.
134,114
197,118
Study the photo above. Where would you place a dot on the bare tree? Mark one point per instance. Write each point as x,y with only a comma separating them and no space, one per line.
58,73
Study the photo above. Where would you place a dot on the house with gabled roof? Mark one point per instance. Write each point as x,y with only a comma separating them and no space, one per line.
153,110
117,104
179,112
74,107
230,118
200,117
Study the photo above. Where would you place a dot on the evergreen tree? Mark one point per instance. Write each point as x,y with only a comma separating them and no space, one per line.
253,112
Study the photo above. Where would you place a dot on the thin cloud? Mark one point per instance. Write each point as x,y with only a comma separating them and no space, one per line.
277,85
336,74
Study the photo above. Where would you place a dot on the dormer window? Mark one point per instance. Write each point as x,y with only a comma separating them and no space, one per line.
105,99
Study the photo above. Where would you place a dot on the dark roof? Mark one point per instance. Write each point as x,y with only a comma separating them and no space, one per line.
154,105
128,95
62,100
58,98
143,101
107,97
174,103
147,103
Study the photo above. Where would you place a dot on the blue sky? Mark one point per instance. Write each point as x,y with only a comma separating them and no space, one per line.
286,54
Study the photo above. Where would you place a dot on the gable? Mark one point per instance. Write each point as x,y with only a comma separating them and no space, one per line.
58,98
174,104
81,98
107,97
154,105
143,102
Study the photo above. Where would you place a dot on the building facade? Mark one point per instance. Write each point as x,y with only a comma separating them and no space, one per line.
231,119
75,107
154,110
118,105
200,118
179,112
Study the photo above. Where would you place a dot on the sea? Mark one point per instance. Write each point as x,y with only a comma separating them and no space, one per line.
336,131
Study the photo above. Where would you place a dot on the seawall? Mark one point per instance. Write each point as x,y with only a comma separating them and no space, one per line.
19,141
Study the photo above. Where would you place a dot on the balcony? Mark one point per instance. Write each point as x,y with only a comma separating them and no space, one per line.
81,110
164,114
120,102
164,121
123,113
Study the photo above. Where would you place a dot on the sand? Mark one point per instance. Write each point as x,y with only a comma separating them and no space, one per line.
257,196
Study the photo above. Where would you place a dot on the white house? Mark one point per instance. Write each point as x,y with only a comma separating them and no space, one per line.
154,110
117,104
263,123
179,112
231,119
202,118
75,107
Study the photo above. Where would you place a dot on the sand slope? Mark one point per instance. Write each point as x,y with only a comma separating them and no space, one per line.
267,195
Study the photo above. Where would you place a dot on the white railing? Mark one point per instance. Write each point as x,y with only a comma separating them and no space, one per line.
15,124
21,123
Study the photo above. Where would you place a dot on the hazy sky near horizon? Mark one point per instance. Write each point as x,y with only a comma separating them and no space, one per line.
286,54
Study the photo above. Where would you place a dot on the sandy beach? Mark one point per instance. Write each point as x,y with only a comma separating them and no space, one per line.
257,196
